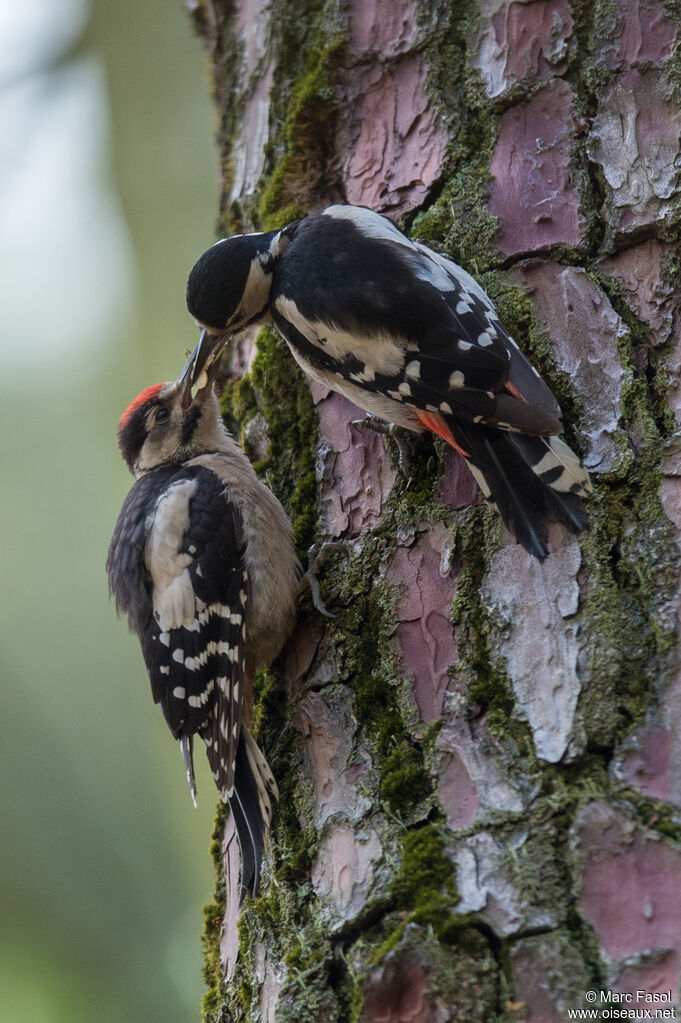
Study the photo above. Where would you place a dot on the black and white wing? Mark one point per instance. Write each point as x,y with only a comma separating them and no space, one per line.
365,308
410,336
479,323
176,567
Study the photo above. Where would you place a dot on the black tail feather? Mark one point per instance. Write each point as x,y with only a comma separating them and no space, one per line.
249,847
531,480
187,749
251,807
569,479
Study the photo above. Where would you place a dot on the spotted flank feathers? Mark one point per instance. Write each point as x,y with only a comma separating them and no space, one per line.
177,569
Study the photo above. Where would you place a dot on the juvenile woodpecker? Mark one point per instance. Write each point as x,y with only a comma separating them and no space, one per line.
202,562
407,335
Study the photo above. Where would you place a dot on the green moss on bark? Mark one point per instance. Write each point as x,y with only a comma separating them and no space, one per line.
368,666
630,564
309,112
213,912
277,387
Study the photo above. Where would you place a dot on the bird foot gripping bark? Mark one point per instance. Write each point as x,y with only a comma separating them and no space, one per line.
317,555
397,433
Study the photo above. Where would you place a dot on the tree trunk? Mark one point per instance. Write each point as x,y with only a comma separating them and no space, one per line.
479,759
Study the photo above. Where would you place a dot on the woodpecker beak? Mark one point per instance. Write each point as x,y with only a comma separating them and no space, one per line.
201,369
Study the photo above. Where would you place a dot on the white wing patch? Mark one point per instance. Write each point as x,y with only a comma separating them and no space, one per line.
379,352
457,276
174,598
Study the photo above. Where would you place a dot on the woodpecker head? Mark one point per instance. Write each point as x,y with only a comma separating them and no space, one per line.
175,421
229,286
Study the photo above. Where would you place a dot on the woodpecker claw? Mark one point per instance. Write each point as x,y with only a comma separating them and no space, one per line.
388,430
315,595
318,553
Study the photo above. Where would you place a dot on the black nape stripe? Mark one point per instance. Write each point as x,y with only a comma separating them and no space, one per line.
133,434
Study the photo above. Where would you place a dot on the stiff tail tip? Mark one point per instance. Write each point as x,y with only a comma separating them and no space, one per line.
251,804
187,749
532,480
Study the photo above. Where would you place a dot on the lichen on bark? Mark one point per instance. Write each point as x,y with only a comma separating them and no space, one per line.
446,747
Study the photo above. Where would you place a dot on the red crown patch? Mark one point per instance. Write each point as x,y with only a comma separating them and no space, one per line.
141,399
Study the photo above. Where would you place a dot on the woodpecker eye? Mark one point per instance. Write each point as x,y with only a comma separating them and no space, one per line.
162,415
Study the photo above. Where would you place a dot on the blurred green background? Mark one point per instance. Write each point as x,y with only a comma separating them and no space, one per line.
109,192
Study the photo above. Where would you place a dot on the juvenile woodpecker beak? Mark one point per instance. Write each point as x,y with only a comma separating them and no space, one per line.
200,369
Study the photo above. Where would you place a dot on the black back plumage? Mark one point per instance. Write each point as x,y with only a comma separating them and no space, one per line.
129,578
370,286
459,363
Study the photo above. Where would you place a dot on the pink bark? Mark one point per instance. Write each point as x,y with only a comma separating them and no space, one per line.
647,766
639,269
499,789
422,570
397,992
635,139
386,27
356,473
550,979
392,142
643,31
630,893
457,488
531,191
584,330
522,40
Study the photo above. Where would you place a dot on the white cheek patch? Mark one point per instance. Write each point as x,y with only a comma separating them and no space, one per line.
255,294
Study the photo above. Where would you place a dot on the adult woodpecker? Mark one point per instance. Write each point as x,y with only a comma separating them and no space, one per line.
407,335
202,562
